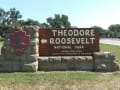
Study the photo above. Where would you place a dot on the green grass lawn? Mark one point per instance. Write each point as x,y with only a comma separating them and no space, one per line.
68,80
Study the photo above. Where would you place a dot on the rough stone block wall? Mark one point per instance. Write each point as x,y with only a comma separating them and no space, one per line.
66,63
9,61
105,62
100,62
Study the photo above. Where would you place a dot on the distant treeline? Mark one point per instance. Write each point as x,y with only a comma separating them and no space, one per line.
113,31
14,17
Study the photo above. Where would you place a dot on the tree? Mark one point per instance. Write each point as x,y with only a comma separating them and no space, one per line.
65,21
103,32
10,17
30,22
2,21
44,25
115,28
2,15
13,16
59,21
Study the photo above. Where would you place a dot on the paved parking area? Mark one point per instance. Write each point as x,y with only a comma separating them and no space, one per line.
110,41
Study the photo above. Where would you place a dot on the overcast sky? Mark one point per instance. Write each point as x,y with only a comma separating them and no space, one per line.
82,13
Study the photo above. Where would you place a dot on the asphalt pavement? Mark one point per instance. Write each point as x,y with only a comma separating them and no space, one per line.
110,41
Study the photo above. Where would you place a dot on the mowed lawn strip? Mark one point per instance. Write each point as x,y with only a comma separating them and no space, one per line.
61,80
56,77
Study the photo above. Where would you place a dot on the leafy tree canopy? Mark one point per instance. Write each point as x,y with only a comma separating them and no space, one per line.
30,22
59,21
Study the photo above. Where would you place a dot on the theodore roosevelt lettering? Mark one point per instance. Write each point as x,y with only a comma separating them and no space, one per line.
72,37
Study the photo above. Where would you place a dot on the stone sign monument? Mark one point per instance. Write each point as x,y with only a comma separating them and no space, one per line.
24,47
